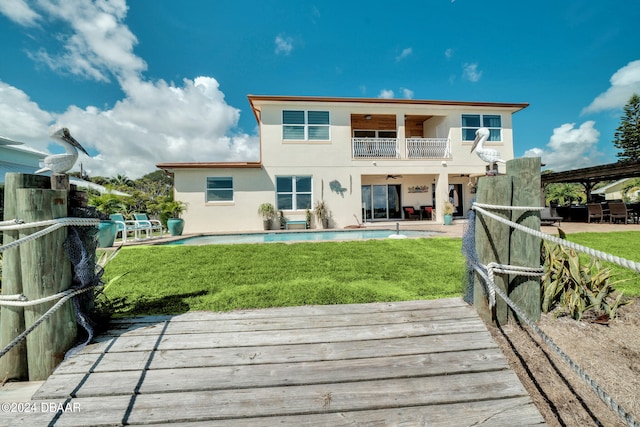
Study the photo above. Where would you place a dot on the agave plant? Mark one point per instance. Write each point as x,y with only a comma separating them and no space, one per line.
574,286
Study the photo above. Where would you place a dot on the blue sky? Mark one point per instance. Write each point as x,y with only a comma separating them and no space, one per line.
150,81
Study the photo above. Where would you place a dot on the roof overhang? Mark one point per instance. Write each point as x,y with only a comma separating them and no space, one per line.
256,100
208,165
611,171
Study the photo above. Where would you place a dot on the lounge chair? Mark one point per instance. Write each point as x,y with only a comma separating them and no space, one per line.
124,227
152,224
618,210
410,213
596,212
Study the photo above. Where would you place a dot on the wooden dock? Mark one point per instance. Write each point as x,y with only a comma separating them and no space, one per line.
412,363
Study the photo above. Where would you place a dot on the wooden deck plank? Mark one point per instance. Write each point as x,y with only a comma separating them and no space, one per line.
270,375
282,337
414,363
202,357
283,323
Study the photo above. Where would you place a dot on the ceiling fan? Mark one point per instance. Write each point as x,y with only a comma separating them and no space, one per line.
393,176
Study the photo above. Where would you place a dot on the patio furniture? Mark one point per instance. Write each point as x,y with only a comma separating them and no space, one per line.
426,212
596,212
619,211
410,213
548,216
295,221
124,227
152,224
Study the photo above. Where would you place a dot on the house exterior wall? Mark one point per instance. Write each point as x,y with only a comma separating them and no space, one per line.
337,176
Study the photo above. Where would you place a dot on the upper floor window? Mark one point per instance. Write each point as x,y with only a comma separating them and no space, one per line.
472,122
219,189
305,125
293,192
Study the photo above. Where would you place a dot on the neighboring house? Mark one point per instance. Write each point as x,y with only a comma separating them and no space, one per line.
366,158
615,191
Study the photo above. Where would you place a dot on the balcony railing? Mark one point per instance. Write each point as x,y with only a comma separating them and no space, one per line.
388,148
428,148
375,148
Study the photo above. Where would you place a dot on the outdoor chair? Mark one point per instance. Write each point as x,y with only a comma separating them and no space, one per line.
596,212
410,213
124,227
619,211
548,216
152,224
426,212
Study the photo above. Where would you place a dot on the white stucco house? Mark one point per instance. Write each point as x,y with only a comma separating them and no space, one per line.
367,158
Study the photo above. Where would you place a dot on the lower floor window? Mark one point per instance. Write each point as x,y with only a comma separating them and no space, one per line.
219,189
293,192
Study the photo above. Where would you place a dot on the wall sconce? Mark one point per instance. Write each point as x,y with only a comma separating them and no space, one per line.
367,117
444,163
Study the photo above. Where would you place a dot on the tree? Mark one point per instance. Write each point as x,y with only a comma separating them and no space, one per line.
627,135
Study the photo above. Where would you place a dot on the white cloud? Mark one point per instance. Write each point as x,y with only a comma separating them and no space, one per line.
386,93
284,45
448,53
99,44
155,121
19,11
406,93
471,73
570,147
405,52
624,83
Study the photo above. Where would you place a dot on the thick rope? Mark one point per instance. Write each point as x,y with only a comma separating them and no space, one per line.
584,249
68,294
486,273
508,208
53,224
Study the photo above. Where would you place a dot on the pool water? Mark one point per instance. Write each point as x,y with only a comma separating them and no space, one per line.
302,236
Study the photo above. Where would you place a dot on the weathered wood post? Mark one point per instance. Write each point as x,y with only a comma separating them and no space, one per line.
497,242
492,243
524,291
13,365
45,271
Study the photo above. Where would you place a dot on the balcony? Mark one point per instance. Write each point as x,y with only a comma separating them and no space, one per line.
389,148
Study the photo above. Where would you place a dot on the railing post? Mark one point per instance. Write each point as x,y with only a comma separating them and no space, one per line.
492,244
13,365
525,248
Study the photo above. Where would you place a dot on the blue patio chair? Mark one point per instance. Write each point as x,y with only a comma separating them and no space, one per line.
152,224
124,227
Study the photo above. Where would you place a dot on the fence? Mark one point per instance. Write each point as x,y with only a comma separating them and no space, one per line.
502,247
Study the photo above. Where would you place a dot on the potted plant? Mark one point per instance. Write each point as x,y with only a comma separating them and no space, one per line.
448,213
267,211
322,213
307,216
172,210
282,220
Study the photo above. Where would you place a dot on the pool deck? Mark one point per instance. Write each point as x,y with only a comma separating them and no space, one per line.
456,229
406,363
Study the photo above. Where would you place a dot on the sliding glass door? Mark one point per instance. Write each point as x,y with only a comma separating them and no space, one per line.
380,202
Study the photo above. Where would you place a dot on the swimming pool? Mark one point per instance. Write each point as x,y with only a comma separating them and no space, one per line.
294,236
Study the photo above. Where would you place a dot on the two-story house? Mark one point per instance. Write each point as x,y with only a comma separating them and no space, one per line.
366,158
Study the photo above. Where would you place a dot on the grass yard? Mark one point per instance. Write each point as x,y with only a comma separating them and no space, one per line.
176,279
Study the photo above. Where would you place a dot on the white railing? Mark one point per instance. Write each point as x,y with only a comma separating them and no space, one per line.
376,148
428,148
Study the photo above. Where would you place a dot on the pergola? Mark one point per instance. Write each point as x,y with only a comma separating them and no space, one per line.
590,176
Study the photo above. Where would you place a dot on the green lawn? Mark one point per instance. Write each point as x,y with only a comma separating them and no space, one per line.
176,279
